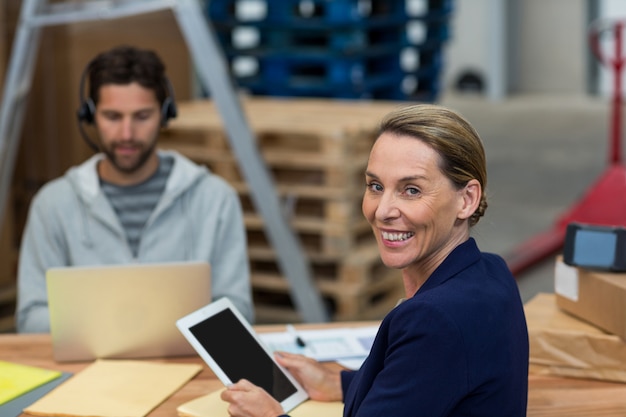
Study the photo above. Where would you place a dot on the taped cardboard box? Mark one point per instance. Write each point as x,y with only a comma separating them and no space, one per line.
596,297
563,345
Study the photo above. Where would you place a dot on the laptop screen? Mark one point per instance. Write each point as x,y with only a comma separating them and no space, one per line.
124,311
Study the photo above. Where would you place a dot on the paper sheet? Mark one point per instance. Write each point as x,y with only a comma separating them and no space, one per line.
17,379
211,405
325,345
115,388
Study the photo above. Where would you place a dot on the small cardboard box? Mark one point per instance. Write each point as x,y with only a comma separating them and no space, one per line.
596,297
563,345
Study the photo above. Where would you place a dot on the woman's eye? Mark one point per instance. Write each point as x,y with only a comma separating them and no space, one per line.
412,191
372,186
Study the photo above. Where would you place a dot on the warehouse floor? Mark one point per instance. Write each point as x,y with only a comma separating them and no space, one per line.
543,153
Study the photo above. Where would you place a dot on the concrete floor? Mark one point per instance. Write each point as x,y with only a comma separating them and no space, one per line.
543,153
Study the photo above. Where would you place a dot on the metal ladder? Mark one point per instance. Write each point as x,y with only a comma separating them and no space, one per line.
213,74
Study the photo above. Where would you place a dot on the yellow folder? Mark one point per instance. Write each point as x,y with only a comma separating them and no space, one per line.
115,388
17,379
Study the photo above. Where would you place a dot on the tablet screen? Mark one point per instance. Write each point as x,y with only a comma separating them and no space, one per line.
242,356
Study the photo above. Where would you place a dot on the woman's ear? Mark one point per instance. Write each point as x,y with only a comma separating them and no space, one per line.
470,199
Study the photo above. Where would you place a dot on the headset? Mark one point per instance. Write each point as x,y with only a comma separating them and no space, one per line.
87,108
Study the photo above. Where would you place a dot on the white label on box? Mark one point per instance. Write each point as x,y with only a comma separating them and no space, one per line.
566,280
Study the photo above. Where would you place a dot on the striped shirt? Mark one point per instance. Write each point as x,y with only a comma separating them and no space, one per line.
133,204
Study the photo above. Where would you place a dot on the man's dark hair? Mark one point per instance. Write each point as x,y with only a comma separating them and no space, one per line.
124,65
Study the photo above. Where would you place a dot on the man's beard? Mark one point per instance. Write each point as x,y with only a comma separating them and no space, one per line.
138,163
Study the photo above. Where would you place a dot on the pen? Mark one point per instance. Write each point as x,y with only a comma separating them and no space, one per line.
293,332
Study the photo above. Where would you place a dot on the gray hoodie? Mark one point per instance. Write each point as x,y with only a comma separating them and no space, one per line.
70,222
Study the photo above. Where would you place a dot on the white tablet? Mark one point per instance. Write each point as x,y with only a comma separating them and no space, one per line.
231,348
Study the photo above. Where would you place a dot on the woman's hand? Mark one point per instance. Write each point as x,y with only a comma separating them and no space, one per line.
320,382
248,400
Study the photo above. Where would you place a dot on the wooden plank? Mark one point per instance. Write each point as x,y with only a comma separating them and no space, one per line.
357,287
285,165
280,158
316,244
346,302
326,118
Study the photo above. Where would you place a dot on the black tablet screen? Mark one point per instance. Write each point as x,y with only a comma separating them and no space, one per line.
240,355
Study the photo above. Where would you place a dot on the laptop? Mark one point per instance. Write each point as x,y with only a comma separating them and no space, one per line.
124,311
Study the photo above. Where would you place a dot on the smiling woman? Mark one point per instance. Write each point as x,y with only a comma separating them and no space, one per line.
458,344
421,205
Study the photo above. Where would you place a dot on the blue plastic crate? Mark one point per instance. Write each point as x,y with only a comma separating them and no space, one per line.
374,77
389,49
334,72
426,89
324,11
428,8
423,89
345,41
302,11
413,58
316,24
420,32
312,90
422,83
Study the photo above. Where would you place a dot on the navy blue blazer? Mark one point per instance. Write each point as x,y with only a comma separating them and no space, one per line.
458,347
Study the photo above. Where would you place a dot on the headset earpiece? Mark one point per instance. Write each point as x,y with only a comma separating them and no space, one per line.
86,111
168,109
86,107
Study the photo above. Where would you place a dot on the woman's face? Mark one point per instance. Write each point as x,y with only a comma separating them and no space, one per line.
416,212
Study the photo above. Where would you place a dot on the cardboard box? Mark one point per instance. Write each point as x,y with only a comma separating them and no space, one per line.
563,345
596,297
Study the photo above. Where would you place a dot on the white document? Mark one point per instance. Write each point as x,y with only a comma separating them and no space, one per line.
351,345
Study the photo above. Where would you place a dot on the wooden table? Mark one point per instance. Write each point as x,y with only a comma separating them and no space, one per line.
548,396
36,350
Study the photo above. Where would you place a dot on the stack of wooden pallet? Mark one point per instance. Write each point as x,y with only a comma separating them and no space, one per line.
316,150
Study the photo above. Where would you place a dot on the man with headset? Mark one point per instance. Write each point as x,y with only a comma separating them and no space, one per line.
131,202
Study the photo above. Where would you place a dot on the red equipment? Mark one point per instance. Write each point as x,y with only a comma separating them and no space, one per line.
605,202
